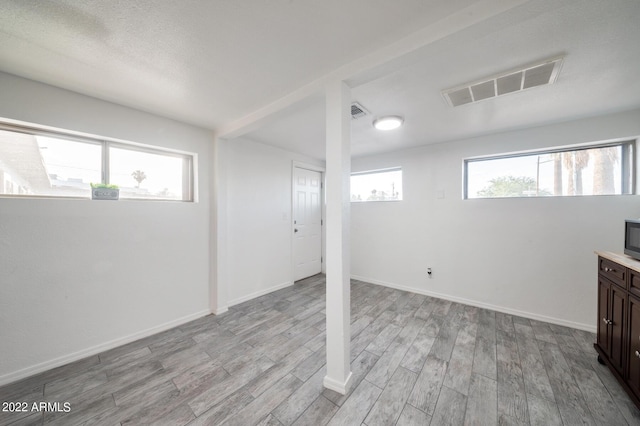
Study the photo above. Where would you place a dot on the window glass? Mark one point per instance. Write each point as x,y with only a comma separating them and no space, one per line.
51,163
42,165
600,170
141,174
380,185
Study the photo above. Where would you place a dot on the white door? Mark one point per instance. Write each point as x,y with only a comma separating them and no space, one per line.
307,223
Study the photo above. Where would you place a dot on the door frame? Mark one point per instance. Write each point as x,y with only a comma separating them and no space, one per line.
315,168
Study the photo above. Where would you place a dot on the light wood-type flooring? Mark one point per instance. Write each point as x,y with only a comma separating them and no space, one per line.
416,360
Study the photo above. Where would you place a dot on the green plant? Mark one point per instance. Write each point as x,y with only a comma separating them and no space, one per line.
104,185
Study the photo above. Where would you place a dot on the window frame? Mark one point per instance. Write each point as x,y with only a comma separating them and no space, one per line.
188,158
627,160
378,171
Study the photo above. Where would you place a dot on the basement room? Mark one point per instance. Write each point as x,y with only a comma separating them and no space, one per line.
286,212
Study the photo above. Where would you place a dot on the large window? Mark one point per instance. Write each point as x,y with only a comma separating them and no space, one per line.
50,164
605,169
377,185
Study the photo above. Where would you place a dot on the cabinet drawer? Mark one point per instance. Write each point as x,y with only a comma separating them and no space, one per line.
613,271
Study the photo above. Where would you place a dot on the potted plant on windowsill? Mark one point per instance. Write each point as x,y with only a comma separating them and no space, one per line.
103,191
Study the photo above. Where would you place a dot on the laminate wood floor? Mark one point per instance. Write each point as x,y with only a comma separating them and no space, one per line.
416,360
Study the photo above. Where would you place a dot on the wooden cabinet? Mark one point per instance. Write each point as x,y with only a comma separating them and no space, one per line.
634,283
633,376
618,335
612,301
604,301
614,271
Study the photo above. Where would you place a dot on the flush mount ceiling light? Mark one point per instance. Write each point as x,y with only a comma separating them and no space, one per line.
389,122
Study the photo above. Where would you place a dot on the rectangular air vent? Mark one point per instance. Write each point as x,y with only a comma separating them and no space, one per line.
357,111
538,74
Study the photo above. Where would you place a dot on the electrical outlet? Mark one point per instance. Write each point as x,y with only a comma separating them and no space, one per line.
429,272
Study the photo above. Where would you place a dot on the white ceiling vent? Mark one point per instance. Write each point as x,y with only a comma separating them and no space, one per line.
357,111
538,74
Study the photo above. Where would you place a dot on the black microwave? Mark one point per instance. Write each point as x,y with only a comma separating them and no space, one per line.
632,238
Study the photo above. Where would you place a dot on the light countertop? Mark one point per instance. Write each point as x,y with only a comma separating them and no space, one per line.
621,259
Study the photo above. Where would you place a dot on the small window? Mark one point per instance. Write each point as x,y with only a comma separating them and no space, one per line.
588,170
32,164
142,174
44,163
377,185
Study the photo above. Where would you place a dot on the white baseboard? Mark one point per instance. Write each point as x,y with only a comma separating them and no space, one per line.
220,310
66,359
337,385
530,315
258,293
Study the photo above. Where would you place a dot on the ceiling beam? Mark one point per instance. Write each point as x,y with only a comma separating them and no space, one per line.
372,66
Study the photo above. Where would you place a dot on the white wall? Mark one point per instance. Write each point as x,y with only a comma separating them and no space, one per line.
532,257
81,276
78,277
258,187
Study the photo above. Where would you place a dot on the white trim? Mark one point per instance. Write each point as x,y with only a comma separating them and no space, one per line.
258,294
530,315
553,149
374,171
338,386
94,350
84,137
308,166
220,310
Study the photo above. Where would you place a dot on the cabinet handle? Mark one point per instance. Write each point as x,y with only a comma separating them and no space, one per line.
638,354
606,321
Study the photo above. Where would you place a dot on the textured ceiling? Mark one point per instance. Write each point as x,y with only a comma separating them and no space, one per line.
600,41
216,63
201,61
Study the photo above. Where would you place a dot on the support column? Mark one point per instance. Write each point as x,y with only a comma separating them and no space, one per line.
218,229
338,171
